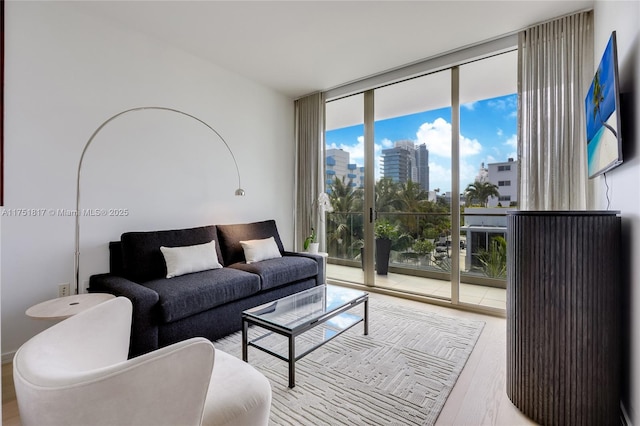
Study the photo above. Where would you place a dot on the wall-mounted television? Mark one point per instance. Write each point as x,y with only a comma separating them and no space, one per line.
602,113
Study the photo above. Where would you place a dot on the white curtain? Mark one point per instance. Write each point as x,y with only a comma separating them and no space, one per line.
555,65
309,130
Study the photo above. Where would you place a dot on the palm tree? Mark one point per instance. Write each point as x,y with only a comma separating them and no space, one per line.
411,198
343,226
598,98
480,192
386,194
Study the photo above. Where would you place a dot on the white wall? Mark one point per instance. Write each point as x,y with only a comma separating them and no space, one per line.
66,73
624,181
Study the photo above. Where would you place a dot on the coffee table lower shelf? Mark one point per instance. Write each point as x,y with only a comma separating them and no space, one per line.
325,330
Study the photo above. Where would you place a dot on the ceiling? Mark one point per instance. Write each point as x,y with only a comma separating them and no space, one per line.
299,47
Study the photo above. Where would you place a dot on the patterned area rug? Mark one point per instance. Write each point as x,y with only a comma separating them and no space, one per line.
400,374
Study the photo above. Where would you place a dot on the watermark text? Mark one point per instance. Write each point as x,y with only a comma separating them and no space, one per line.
38,212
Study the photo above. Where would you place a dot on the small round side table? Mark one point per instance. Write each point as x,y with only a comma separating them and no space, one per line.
65,307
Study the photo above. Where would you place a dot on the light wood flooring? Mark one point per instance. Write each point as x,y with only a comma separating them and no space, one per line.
478,398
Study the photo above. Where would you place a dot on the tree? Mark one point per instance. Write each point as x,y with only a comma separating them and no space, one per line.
386,195
598,98
480,192
411,198
344,225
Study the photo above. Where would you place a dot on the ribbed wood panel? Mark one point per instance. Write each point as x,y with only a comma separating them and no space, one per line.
562,316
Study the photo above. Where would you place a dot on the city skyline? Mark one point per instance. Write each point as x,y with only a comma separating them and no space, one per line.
487,135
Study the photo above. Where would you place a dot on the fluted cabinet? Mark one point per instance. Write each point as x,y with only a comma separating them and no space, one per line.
563,278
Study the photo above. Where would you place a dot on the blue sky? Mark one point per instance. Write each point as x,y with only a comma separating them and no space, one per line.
487,134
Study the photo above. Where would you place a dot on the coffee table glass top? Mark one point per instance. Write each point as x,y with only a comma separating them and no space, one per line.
302,309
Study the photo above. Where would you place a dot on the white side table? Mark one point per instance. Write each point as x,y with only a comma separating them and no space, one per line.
65,307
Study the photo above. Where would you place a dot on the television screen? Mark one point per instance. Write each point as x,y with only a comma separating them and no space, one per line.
602,111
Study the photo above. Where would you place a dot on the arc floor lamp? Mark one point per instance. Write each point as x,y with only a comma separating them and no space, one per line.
239,191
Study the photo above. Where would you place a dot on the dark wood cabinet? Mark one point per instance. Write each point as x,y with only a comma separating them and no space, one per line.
563,287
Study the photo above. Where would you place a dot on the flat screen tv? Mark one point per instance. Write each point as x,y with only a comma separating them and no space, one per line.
602,112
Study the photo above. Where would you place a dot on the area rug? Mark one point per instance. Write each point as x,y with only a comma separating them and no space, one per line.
400,374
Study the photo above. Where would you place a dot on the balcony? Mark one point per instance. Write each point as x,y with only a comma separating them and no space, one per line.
420,261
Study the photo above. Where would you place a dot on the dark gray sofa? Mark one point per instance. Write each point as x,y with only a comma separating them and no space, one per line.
207,303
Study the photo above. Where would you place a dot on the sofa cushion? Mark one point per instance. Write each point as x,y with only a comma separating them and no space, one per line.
257,250
189,259
229,237
190,294
142,259
283,270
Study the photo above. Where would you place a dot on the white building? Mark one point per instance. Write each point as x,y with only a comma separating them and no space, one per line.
338,165
505,177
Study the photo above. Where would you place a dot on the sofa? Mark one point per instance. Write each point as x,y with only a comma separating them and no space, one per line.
196,282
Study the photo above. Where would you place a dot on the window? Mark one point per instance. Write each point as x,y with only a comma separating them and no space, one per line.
421,141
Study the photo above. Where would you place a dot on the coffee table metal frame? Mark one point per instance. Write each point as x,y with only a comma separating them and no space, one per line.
291,333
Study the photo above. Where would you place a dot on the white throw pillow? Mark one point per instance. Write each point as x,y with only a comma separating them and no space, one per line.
257,250
188,259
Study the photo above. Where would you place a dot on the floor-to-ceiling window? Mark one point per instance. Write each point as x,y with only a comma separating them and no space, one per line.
412,134
344,183
440,142
487,174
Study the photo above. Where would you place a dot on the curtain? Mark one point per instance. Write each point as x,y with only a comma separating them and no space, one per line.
309,132
555,66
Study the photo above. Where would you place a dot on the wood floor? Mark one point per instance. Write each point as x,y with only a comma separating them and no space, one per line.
478,398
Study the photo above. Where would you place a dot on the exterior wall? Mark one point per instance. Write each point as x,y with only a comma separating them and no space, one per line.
337,162
505,176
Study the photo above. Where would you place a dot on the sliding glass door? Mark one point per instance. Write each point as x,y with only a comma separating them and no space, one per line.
413,183
413,161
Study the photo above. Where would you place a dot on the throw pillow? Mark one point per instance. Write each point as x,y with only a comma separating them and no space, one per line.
188,259
257,250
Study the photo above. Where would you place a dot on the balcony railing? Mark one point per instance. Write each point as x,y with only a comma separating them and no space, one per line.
423,246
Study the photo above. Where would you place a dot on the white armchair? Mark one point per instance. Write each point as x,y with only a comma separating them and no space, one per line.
77,373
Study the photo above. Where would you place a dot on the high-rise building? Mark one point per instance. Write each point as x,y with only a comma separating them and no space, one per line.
422,161
406,162
338,166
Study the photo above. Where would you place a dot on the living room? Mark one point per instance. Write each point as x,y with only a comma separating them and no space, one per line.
67,69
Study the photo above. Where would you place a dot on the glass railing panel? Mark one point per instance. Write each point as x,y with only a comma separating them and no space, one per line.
423,265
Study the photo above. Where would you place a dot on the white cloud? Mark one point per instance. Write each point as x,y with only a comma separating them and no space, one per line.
470,106
509,103
439,177
387,143
499,132
512,141
437,137
356,152
468,174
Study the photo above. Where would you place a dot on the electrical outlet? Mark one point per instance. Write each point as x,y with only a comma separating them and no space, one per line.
63,290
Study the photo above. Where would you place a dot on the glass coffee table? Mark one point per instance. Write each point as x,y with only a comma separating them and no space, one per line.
314,316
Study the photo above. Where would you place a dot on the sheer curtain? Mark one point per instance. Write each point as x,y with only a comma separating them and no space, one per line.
555,65
309,131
